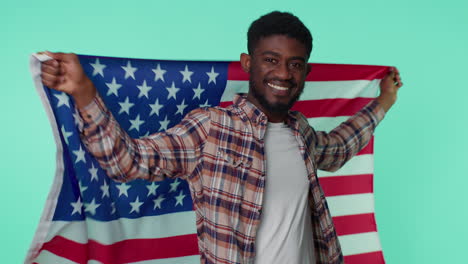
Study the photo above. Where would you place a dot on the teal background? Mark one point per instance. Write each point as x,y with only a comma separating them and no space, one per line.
421,164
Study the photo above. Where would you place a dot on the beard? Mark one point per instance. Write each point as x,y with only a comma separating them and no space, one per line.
275,108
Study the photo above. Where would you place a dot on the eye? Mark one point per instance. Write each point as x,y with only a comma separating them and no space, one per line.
297,65
270,60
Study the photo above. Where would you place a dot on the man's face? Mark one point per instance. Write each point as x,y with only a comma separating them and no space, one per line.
278,68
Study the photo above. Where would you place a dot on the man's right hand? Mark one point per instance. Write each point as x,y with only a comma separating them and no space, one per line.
64,73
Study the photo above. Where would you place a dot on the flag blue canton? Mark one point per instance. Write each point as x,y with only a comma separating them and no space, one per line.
158,94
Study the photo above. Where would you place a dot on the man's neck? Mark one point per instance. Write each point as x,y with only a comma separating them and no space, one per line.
273,117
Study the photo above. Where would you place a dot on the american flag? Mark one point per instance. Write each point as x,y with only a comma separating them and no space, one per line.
89,218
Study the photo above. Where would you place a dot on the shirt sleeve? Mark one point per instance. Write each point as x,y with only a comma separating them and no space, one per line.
334,149
173,153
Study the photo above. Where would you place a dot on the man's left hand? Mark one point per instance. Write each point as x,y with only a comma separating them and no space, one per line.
389,88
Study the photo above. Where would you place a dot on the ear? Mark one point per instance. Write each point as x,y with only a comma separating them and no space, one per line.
245,62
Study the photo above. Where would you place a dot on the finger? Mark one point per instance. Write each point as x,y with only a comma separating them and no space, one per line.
55,70
391,73
60,56
49,84
51,63
49,76
49,80
63,69
397,78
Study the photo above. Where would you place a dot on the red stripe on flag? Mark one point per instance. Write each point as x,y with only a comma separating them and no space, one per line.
323,72
366,258
325,107
344,185
131,250
354,224
368,149
331,107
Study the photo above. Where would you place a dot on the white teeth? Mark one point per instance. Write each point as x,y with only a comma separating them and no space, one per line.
281,88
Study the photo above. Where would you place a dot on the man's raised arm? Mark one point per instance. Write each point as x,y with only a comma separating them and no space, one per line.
172,153
334,149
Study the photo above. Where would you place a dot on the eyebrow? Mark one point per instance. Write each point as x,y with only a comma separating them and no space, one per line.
278,55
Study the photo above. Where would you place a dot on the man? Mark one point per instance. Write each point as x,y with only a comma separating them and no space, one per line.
252,167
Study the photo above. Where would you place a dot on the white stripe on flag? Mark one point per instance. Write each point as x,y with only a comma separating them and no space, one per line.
340,89
360,243
351,204
316,90
362,164
326,123
175,224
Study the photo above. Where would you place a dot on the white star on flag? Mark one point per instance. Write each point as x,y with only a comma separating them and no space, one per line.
82,187
197,92
113,87
91,207
206,104
105,189
136,123
157,202
136,206
174,185
123,189
112,208
145,135
181,108
80,155
144,89
212,75
155,107
98,68
63,99
152,188
77,206
76,118
93,171
164,124
65,134
158,73
180,198
172,91
186,75
125,106
129,70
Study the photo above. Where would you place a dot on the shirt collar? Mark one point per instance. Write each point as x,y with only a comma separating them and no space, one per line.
258,118
253,112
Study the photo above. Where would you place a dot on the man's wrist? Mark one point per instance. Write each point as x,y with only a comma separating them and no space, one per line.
86,94
386,101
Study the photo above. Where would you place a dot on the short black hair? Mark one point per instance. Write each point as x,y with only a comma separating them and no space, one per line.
278,23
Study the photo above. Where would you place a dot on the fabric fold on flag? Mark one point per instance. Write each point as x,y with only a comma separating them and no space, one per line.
89,218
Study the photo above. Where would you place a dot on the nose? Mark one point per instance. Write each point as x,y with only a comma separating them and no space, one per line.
283,72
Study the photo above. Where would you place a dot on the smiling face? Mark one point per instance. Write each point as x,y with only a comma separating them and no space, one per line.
278,68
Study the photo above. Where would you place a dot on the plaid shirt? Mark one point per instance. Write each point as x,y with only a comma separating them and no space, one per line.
220,152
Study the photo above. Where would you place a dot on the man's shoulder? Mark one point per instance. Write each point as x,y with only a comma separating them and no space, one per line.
216,111
298,117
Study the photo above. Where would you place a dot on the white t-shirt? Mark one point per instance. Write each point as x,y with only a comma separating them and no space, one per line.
285,232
